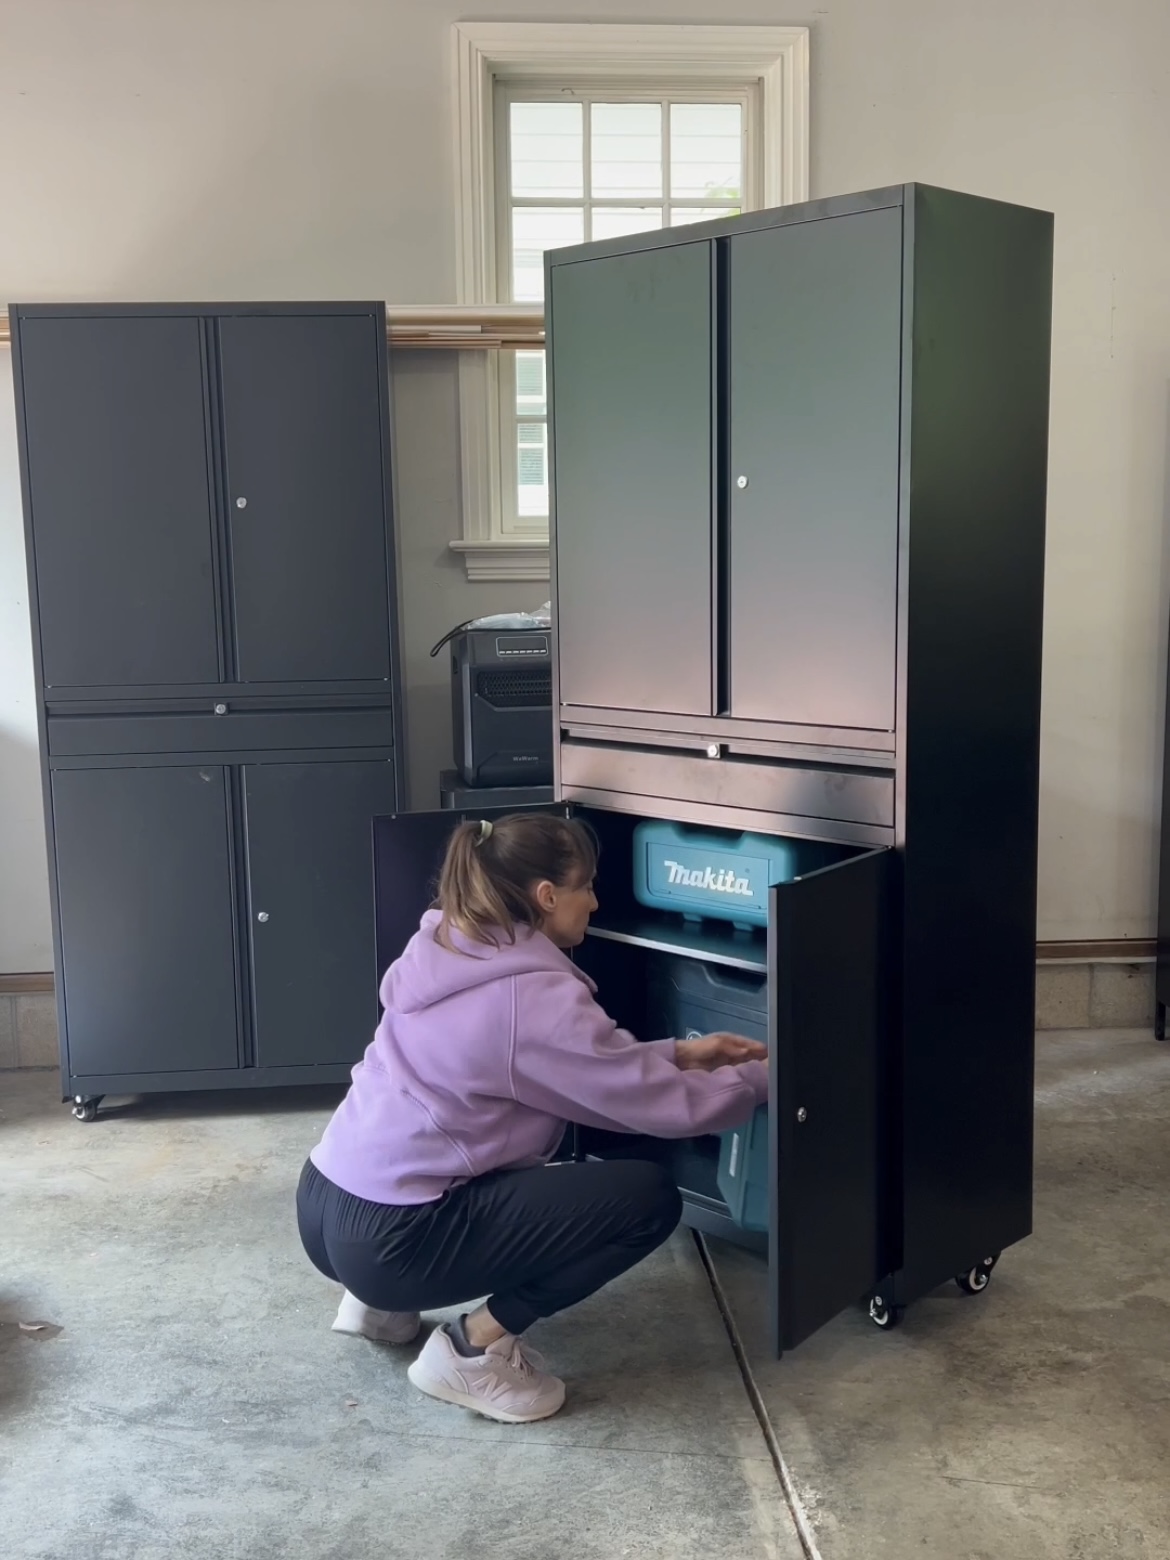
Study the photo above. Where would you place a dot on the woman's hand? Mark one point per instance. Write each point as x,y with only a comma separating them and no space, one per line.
719,1050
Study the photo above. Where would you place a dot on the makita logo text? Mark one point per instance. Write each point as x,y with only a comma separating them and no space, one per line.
724,882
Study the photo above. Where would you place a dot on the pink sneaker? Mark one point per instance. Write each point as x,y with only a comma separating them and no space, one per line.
362,1321
507,1382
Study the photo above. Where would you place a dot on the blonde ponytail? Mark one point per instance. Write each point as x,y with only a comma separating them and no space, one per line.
491,870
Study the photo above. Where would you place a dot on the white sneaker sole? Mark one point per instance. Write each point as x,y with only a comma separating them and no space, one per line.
445,1394
378,1334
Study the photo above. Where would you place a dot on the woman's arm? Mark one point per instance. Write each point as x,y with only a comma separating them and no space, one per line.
570,1059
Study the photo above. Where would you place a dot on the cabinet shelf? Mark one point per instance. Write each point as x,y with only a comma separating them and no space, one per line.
712,941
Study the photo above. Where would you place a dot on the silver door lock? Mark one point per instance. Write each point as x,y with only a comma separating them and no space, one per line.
221,709
741,482
241,503
802,1114
263,915
714,750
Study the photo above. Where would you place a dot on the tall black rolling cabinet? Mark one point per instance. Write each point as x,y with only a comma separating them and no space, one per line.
799,479
212,576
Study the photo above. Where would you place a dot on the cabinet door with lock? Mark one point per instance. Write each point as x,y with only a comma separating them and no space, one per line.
829,1098
632,445
305,442
814,366
311,907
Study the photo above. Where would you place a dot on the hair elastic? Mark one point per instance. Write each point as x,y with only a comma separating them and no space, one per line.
485,831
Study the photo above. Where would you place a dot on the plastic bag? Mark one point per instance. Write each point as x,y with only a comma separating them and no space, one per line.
541,618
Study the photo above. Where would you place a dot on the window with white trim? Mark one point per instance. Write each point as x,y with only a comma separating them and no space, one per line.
573,132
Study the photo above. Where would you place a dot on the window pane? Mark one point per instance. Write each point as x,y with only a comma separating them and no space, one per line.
625,143
706,150
613,222
532,469
535,229
681,215
547,147
530,393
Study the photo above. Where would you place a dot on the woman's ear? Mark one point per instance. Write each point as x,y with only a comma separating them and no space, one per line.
545,894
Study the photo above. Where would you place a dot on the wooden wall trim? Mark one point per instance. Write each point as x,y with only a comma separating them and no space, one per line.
454,328
1121,950
25,985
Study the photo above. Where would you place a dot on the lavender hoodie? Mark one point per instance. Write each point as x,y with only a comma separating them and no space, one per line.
481,1058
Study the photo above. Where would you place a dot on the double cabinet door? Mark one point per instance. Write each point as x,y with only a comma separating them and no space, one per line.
207,497
216,916
827,1037
725,464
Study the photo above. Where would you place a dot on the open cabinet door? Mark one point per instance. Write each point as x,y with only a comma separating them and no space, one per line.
408,853
828,1021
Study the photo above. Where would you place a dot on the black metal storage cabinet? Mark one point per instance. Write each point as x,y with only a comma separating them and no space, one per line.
799,471
212,578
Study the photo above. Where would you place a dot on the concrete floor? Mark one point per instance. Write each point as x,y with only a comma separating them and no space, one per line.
196,1404
1031,1422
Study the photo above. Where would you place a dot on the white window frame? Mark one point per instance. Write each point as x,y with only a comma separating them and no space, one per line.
773,61
508,90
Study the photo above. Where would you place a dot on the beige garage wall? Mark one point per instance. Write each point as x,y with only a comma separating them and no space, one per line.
163,149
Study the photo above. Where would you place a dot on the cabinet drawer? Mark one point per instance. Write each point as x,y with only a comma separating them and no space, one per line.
77,736
755,785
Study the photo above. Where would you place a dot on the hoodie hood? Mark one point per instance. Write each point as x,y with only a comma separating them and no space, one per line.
428,973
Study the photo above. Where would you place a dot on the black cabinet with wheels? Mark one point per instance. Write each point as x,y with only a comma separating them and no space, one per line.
798,482
212,575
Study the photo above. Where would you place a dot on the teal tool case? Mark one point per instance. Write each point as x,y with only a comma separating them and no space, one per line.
689,998
717,873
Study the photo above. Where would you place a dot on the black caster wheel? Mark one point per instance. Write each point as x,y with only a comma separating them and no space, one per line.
883,1314
975,1280
1160,1022
85,1106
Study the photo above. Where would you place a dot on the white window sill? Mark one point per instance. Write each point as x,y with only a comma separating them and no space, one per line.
503,559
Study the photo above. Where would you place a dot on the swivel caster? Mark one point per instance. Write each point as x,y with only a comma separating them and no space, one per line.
883,1314
85,1106
975,1280
1160,1021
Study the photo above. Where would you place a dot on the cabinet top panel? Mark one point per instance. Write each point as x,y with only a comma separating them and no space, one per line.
195,310
753,221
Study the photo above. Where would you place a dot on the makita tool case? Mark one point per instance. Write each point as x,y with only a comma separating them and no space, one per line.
689,998
712,872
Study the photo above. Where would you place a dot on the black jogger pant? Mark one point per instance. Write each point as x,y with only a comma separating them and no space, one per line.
535,1241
